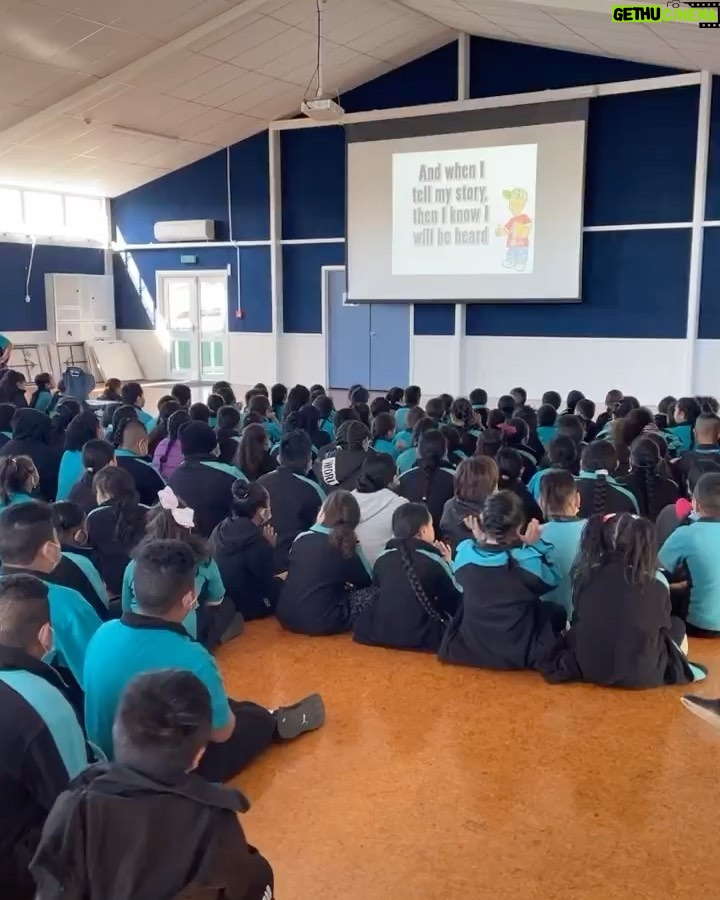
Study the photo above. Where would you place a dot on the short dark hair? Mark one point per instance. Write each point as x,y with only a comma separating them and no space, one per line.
707,494
552,398
131,393
182,393
295,449
412,395
163,720
24,609
200,412
83,428
67,516
519,395
546,415
164,573
24,528
570,425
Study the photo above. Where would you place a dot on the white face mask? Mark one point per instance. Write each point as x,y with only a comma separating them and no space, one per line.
48,646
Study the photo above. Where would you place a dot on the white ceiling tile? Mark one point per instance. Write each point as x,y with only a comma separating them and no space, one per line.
265,93
230,132
286,42
245,39
194,128
293,12
173,70
238,87
216,77
285,104
218,34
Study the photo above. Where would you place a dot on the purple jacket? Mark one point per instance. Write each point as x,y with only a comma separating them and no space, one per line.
174,457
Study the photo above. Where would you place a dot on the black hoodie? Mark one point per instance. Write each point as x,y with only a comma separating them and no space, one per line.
120,834
31,437
452,522
340,469
246,563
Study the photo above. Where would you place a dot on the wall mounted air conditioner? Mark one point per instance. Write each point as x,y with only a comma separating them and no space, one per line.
187,230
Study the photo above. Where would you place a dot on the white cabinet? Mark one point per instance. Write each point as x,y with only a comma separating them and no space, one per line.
80,308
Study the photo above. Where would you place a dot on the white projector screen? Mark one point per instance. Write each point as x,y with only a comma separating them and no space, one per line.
490,215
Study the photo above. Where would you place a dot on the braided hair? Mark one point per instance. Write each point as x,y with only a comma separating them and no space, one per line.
462,413
407,521
176,420
599,457
431,452
121,417
617,536
502,518
645,459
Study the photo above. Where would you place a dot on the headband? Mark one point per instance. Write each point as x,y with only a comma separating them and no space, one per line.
184,516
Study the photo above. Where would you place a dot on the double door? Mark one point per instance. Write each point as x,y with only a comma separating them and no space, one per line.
195,308
367,343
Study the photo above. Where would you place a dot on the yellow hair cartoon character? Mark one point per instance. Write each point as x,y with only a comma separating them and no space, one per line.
516,230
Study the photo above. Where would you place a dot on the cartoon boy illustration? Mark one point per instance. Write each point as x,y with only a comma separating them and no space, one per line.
517,229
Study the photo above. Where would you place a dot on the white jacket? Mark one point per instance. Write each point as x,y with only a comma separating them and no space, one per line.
375,528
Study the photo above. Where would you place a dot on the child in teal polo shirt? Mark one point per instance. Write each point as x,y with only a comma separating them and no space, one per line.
154,638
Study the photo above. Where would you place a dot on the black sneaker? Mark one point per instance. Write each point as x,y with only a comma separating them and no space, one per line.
704,707
307,715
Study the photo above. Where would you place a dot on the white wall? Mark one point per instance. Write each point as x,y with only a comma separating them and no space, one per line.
302,359
707,369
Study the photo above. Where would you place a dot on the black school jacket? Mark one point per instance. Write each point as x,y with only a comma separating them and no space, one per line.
67,574
502,623
612,497
148,481
620,636
397,618
432,487
83,494
32,771
111,556
31,437
452,522
663,492
246,562
314,599
118,833
295,501
205,488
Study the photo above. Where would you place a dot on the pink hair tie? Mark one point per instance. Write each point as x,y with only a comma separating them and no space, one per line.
506,429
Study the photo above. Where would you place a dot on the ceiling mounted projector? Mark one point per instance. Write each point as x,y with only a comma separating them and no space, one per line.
322,109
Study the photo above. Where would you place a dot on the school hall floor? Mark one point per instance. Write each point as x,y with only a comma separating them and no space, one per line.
431,782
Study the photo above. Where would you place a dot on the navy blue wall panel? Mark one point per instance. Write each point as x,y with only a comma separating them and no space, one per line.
641,157
430,79
635,285
250,189
135,284
501,67
434,318
709,325
15,313
712,205
197,191
302,284
313,183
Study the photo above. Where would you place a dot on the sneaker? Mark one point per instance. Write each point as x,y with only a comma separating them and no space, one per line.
704,707
307,715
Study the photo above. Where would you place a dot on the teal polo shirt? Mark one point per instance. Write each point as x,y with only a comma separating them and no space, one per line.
380,445
406,460
132,646
209,589
145,417
71,470
21,497
563,536
698,546
73,620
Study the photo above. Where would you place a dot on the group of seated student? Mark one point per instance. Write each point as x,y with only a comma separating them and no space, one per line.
504,538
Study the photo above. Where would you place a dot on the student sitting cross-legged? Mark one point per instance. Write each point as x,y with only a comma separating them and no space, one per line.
41,742
622,633
243,546
83,428
695,548
476,478
431,480
29,545
377,502
147,825
560,503
96,454
116,525
153,638
172,520
327,572
201,481
294,497
502,623
599,491
417,593
132,455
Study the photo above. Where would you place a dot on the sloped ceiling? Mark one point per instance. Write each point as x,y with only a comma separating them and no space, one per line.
208,73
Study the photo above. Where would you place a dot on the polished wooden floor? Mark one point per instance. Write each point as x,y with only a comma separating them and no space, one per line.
434,783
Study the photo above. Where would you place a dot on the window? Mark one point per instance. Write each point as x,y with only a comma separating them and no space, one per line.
11,213
52,215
